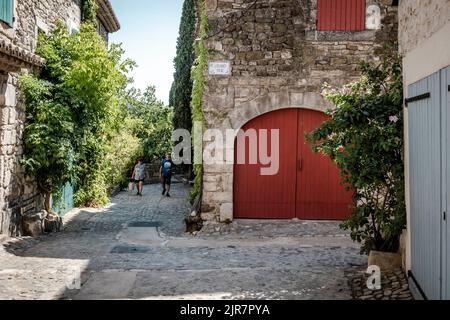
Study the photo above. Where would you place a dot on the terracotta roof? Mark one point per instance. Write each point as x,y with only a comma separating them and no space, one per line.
14,58
107,16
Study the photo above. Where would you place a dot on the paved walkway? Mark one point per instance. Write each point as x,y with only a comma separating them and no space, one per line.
136,248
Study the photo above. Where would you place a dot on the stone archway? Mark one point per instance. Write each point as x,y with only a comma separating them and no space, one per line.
218,179
273,101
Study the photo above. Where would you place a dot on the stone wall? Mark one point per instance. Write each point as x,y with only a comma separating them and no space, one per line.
419,19
31,15
16,189
278,60
152,172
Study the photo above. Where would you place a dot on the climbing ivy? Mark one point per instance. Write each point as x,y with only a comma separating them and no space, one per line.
47,138
198,75
89,10
74,112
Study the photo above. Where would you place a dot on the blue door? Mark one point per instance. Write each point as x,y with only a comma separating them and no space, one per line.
429,170
63,202
445,89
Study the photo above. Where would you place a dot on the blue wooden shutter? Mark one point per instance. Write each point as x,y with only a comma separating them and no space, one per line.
425,169
445,85
7,11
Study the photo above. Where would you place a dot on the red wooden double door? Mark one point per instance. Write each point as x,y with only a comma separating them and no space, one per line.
307,186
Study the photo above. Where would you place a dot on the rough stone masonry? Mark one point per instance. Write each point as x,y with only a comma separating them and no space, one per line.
18,41
278,60
17,45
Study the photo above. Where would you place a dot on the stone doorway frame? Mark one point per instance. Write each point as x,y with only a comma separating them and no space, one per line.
218,180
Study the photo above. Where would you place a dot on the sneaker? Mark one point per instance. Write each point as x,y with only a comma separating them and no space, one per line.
140,194
164,192
168,195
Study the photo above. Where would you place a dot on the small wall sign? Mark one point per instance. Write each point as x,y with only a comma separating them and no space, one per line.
219,68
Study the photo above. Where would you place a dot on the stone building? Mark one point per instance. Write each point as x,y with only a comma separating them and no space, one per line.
106,19
20,21
424,39
268,62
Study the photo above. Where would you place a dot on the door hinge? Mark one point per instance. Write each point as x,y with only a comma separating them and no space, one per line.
445,216
417,98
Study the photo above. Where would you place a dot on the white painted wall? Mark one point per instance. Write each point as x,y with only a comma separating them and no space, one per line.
424,34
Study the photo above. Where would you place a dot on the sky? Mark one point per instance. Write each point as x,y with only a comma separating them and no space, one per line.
149,32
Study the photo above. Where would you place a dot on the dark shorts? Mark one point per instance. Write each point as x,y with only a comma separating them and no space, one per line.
167,180
137,181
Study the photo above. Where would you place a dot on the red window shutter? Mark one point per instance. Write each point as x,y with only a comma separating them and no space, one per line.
341,15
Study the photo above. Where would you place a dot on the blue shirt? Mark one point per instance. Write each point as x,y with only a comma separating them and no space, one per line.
167,167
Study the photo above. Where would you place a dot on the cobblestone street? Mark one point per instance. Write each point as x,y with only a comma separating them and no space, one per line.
136,248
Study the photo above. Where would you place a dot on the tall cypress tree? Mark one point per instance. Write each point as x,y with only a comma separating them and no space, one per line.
181,91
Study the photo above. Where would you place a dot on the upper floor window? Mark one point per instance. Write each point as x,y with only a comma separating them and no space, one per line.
341,15
7,11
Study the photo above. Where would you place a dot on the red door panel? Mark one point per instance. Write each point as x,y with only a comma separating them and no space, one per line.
269,197
307,185
320,195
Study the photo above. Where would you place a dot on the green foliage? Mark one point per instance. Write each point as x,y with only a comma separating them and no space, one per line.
151,122
180,94
198,75
124,149
365,138
48,135
74,111
92,192
89,10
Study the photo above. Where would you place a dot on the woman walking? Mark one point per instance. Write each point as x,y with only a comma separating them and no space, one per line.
139,176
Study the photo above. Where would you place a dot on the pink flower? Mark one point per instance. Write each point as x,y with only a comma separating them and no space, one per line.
326,92
393,119
347,91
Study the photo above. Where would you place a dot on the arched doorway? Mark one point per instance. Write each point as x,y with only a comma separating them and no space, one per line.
307,186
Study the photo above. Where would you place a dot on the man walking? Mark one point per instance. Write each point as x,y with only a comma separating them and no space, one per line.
139,176
166,172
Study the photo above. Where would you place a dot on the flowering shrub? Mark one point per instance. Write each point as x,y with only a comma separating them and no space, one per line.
365,138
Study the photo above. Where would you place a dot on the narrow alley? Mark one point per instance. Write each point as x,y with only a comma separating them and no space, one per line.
136,248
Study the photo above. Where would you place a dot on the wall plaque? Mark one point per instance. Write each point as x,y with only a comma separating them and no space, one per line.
219,68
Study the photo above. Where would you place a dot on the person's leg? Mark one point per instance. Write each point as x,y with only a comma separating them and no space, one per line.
164,185
141,187
136,183
169,182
